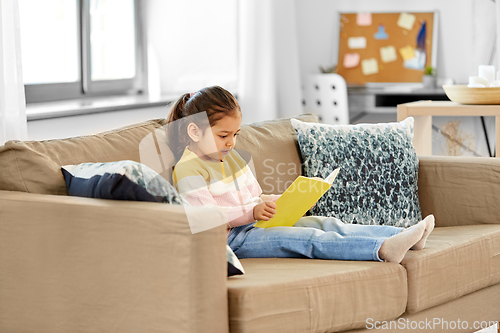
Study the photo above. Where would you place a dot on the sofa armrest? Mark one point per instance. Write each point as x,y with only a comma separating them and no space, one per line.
460,190
71,264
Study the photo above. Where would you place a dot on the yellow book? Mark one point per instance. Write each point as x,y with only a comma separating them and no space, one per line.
298,199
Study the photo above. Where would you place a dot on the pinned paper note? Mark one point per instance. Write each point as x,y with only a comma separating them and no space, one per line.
417,62
381,34
388,54
351,60
407,52
406,21
369,66
364,19
356,42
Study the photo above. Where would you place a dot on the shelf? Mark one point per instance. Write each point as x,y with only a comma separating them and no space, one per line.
386,99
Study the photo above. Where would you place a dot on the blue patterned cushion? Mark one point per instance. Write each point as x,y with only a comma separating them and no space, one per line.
377,183
122,180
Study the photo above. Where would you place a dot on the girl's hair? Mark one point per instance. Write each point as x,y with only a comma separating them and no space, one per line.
216,101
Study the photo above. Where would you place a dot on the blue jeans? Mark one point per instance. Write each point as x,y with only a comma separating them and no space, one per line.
314,237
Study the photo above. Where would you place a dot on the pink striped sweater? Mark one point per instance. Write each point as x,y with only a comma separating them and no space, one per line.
230,184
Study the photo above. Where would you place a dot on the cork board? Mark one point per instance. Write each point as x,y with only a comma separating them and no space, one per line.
386,47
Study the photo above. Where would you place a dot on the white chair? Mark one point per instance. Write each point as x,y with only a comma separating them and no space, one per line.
326,96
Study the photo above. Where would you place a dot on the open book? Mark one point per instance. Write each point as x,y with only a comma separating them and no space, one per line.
298,199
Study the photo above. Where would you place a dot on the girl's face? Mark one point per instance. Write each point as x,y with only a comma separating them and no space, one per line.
218,140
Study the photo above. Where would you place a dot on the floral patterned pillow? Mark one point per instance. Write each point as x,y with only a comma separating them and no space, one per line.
377,182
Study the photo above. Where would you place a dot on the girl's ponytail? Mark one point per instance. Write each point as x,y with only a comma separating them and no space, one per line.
176,141
177,109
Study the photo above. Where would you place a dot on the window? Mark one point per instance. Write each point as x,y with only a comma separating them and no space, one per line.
80,48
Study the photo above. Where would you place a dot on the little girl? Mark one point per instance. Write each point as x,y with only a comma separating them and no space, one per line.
210,172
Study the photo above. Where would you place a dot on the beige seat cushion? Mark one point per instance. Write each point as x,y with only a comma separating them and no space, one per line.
306,295
456,261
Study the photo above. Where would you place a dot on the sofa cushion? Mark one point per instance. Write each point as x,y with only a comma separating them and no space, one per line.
298,295
35,166
377,182
455,261
122,180
274,151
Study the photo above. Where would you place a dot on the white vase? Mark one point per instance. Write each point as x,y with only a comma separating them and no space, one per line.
429,81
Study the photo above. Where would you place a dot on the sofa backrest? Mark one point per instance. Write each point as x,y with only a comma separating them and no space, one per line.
35,166
274,151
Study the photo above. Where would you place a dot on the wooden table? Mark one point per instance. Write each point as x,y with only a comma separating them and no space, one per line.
423,111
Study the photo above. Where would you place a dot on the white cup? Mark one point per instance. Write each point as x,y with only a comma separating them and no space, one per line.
487,73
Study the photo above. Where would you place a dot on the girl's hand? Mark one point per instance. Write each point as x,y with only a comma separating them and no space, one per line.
305,214
264,211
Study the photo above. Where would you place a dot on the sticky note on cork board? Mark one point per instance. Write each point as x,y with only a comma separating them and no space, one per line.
406,21
388,54
364,19
407,52
356,42
351,60
369,66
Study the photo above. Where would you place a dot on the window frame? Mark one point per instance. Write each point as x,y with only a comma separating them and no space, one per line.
85,87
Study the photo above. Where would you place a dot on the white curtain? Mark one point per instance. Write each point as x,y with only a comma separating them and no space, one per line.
497,28
269,83
482,34
13,124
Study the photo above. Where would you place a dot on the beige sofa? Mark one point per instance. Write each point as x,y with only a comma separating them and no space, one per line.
70,264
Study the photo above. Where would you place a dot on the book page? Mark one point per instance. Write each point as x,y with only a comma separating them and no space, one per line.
331,177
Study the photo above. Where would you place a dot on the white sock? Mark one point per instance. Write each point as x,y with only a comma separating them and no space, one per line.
395,247
429,226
